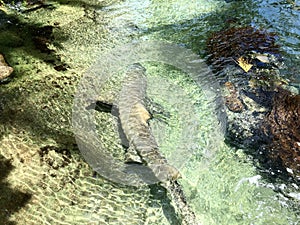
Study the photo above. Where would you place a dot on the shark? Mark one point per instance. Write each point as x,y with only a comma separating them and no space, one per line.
133,117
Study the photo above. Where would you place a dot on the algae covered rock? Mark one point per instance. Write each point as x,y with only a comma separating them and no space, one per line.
283,126
263,118
237,44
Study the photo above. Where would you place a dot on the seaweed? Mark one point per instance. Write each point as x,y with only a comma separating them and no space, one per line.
228,45
282,124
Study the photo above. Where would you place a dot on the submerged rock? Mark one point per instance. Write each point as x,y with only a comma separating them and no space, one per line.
244,127
263,118
282,124
270,126
228,46
5,69
232,101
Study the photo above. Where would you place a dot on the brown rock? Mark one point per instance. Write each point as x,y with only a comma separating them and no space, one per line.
283,125
232,101
5,70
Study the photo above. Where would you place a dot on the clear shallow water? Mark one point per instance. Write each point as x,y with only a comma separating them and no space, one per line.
221,183
226,188
284,19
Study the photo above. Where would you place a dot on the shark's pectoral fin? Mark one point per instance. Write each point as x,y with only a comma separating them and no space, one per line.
131,156
101,106
165,171
156,110
141,113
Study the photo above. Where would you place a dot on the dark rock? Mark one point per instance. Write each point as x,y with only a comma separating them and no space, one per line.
232,101
263,118
282,124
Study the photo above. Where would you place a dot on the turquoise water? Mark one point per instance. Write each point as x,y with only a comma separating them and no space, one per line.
223,185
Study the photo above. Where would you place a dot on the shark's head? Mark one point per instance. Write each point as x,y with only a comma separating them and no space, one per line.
165,172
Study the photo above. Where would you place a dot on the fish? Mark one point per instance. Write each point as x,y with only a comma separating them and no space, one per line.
134,121
133,115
